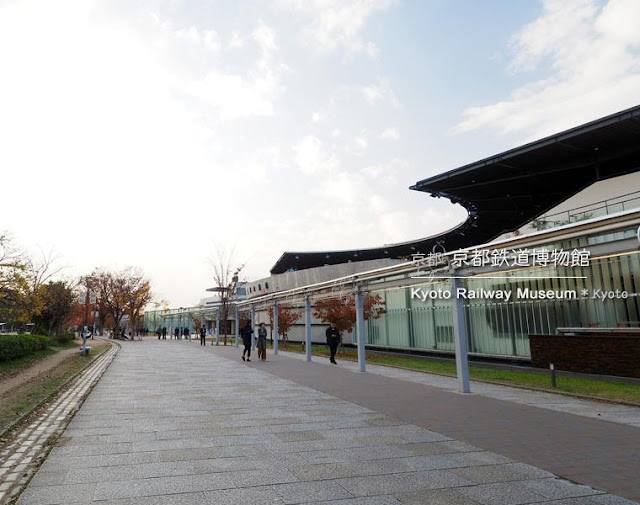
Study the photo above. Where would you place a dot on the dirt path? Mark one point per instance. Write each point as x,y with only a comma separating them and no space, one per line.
24,375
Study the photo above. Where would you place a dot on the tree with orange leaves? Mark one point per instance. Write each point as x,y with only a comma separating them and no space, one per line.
342,311
287,317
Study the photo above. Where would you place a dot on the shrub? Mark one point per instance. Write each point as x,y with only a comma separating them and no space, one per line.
15,346
63,338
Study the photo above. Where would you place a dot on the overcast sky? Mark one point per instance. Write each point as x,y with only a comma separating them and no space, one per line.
149,132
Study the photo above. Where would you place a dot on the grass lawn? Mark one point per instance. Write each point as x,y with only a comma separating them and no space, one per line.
599,389
15,365
28,395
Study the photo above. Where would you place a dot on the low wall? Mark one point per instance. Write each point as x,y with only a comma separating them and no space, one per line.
617,355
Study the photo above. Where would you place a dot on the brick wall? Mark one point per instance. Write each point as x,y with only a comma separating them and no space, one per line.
599,354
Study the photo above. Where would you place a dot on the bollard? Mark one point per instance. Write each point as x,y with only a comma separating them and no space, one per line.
553,375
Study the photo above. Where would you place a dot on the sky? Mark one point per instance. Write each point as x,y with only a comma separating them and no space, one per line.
153,133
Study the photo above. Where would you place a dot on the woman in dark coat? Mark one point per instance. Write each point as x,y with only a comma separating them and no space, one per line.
262,342
245,333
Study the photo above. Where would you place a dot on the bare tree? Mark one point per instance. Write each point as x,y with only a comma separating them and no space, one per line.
226,275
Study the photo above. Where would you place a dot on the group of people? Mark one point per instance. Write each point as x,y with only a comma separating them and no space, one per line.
332,334
178,333
261,344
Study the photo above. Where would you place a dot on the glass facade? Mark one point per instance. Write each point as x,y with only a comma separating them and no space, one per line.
501,327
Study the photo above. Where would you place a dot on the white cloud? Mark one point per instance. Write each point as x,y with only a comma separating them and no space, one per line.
594,69
236,41
208,39
361,142
338,23
375,93
233,95
390,134
265,37
238,96
311,156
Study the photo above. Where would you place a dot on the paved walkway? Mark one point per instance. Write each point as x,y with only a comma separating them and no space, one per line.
615,413
173,423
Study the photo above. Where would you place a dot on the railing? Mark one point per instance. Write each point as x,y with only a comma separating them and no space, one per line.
602,208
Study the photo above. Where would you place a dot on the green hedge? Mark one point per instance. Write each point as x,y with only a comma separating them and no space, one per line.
63,338
15,346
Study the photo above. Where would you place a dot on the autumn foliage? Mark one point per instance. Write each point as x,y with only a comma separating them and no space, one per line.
287,317
342,311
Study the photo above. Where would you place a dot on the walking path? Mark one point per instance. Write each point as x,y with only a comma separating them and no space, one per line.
582,448
616,413
19,458
174,423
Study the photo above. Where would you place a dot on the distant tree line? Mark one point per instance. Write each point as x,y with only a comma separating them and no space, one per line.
35,297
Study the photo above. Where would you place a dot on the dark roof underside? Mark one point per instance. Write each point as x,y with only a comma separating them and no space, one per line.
506,191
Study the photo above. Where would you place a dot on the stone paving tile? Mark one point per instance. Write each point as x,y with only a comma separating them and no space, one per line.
244,496
263,477
171,440
303,492
367,500
382,452
173,499
50,495
435,497
500,473
324,471
404,482
297,436
509,493
553,488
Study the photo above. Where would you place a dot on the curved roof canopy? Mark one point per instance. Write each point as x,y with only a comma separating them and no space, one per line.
506,191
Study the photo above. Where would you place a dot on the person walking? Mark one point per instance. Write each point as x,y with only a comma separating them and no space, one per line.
333,339
262,342
176,332
203,335
245,333
164,333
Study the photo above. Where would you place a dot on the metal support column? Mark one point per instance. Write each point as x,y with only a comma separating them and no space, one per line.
275,327
460,337
253,328
360,329
307,326
237,325
217,328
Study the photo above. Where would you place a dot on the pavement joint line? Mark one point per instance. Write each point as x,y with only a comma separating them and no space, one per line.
26,448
